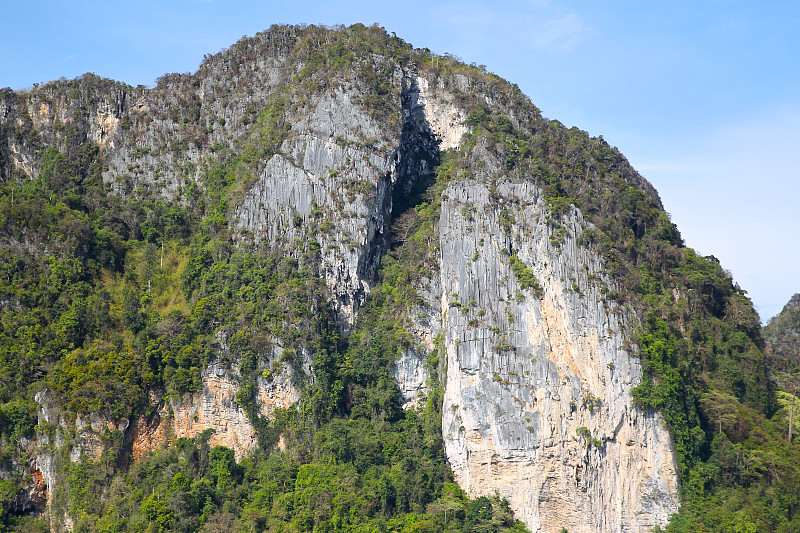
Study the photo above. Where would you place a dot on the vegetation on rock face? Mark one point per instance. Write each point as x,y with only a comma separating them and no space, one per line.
525,276
109,293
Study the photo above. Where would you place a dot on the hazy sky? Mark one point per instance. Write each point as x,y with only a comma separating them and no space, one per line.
702,96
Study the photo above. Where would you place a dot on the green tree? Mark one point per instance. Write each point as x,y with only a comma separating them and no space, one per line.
720,408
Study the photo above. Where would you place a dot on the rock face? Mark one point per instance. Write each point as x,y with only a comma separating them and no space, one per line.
214,408
326,174
537,404
338,170
411,375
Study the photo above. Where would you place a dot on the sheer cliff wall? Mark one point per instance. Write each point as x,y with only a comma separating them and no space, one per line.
537,402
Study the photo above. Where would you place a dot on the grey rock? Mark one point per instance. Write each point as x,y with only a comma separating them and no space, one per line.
537,404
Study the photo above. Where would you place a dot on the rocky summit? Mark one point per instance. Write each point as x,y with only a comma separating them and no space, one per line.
333,282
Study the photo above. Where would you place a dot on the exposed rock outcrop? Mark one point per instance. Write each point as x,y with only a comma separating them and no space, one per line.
536,396
333,173
215,408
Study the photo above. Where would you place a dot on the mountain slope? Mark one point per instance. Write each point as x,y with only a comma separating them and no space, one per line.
781,335
319,280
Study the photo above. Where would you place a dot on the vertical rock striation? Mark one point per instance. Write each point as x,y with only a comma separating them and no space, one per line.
332,171
536,395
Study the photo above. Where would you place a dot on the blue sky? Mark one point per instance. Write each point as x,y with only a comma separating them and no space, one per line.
702,96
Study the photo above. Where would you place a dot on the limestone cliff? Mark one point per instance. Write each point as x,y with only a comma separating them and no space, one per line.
213,410
325,173
537,401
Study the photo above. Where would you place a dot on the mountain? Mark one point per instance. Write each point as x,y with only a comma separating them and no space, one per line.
333,282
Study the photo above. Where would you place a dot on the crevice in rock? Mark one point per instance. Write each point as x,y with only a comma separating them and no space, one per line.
416,157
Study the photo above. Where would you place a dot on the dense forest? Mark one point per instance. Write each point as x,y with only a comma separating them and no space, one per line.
115,295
